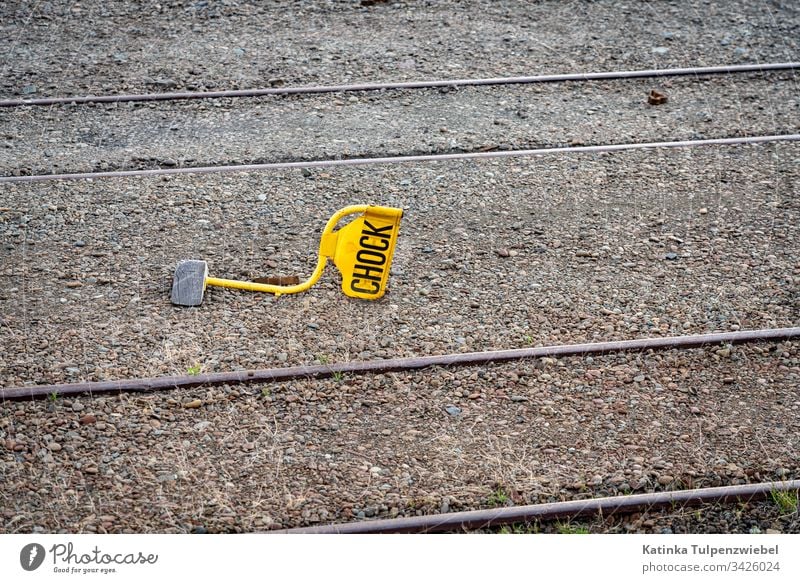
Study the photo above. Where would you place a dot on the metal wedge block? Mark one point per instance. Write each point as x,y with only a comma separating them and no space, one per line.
189,283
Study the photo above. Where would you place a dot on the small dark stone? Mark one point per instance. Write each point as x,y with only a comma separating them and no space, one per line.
656,98
671,256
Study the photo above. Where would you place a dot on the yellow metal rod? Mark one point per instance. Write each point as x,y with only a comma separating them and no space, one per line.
322,260
274,289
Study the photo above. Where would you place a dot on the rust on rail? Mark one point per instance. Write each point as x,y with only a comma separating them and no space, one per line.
476,519
553,78
397,364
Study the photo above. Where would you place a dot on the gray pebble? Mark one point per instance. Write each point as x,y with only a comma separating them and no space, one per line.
453,410
164,83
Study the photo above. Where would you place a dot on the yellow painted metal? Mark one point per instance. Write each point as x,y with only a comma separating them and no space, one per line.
362,250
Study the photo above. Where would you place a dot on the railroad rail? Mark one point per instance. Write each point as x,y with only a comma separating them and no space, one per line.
571,509
603,148
397,364
554,78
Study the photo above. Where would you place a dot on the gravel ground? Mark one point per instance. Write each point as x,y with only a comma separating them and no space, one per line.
492,254
558,250
200,133
310,452
171,46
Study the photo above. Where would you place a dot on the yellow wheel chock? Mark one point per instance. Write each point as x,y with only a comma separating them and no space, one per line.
362,250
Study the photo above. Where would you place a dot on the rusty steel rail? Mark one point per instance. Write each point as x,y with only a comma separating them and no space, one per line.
601,148
476,519
556,78
397,364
